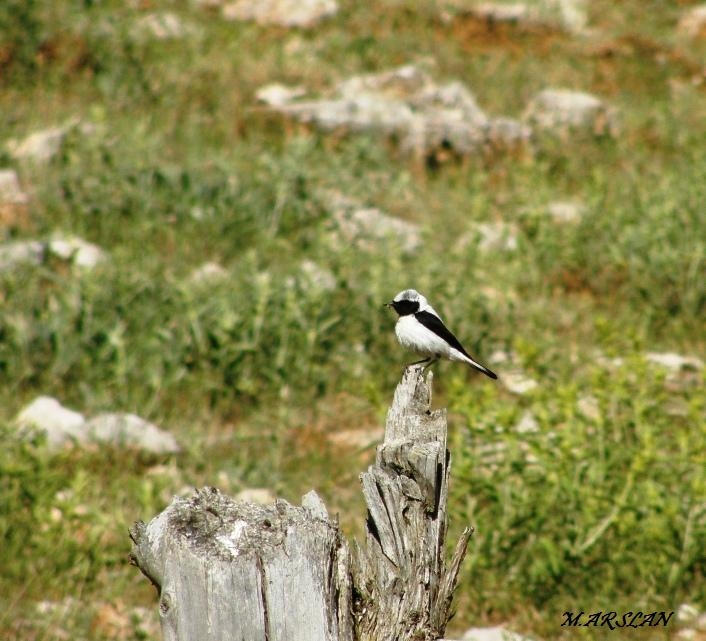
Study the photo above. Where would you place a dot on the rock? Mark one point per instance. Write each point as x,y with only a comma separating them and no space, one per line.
207,274
569,15
687,613
518,382
572,14
365,227
496,236
33,252
566,211
285,13
277,95
527,424
63,426
607,362
497,633
76,250
506,133
40,147
675,362
501,356
405,103
131,431
363,113
515,12
564,110
21,252
259,495
399,83
162,26
692,23
46,415
589,407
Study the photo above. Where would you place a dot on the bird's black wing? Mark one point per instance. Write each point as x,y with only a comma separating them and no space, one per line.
434,323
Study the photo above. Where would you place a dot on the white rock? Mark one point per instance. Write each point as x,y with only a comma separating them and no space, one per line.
131,431
496,236
514,12
692,23
452,96
399,83
589,407
208,273
21,252
60,424
615,362
566,211
563,109
360,114
527,424
404,102
675,362
570,15
501,357
286,13
10,190
277,95
366,226
506,133
80,252
497,633
163,26
687,613
518,382
40,146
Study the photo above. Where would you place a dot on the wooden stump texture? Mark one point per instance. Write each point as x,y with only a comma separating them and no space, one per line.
234,570
229,570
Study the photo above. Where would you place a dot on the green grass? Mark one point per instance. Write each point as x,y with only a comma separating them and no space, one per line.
600,509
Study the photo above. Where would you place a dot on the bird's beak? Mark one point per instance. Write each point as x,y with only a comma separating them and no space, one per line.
387,305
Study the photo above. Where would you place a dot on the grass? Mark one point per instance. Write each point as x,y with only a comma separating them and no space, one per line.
601,508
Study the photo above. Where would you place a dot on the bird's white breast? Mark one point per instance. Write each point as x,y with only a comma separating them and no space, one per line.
414,336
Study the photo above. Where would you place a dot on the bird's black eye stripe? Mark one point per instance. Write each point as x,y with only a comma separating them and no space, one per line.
405,307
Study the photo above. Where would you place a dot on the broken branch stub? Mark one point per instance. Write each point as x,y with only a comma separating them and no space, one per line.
402,586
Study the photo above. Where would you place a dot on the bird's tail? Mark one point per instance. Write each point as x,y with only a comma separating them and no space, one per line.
482,368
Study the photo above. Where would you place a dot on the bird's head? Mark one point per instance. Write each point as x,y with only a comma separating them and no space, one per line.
408,301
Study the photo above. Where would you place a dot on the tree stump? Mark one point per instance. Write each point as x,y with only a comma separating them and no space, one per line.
403,589
234,570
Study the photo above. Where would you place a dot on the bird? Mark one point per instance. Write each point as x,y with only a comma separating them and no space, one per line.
420,329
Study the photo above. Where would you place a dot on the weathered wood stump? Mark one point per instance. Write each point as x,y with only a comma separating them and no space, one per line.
403,589
234,570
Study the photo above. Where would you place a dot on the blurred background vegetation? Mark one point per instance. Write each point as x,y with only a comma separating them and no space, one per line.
599,505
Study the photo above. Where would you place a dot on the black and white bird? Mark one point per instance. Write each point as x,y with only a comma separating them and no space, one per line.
420,329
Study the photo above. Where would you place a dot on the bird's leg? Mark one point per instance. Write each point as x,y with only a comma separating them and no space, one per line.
424,360
432,360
